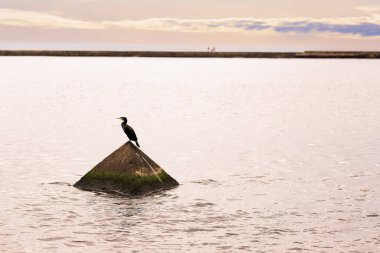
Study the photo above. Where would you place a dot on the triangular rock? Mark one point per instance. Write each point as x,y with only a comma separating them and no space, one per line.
127,171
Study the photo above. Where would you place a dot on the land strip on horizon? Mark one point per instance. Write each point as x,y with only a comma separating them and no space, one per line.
196,54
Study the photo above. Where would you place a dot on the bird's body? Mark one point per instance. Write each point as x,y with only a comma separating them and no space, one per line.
128,130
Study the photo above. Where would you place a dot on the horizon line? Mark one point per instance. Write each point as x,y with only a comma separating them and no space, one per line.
195,54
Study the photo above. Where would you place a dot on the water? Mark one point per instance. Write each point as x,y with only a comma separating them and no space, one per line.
272,155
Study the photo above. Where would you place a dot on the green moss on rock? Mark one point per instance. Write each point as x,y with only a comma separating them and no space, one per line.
133,183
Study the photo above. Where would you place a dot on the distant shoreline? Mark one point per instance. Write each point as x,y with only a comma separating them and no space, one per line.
197,54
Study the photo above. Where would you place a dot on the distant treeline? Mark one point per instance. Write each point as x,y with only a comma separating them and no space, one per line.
306,54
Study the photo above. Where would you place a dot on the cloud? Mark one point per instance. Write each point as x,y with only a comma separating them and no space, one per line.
364,29
369,8
366,26
46,20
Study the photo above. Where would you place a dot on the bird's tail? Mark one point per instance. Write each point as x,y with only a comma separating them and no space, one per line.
138,145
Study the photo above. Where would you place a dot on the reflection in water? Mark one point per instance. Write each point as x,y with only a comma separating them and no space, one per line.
272,155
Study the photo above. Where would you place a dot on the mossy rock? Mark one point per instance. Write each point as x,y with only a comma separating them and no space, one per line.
127,171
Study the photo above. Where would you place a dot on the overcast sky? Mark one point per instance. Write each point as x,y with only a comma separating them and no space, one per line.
274,25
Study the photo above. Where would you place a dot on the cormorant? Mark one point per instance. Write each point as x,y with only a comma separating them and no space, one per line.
128,130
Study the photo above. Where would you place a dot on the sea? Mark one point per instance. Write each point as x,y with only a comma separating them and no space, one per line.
272,155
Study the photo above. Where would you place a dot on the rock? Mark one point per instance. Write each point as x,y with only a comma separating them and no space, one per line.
127,171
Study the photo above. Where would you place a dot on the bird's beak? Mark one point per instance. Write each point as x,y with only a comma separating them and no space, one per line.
118,118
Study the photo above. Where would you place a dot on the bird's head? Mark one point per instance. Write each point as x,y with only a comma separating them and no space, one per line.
123,119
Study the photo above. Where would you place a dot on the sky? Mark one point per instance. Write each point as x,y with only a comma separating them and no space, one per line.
228,25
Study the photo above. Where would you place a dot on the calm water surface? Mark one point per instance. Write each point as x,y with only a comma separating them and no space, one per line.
272,155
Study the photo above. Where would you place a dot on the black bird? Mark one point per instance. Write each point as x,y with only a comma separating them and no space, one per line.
128,130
